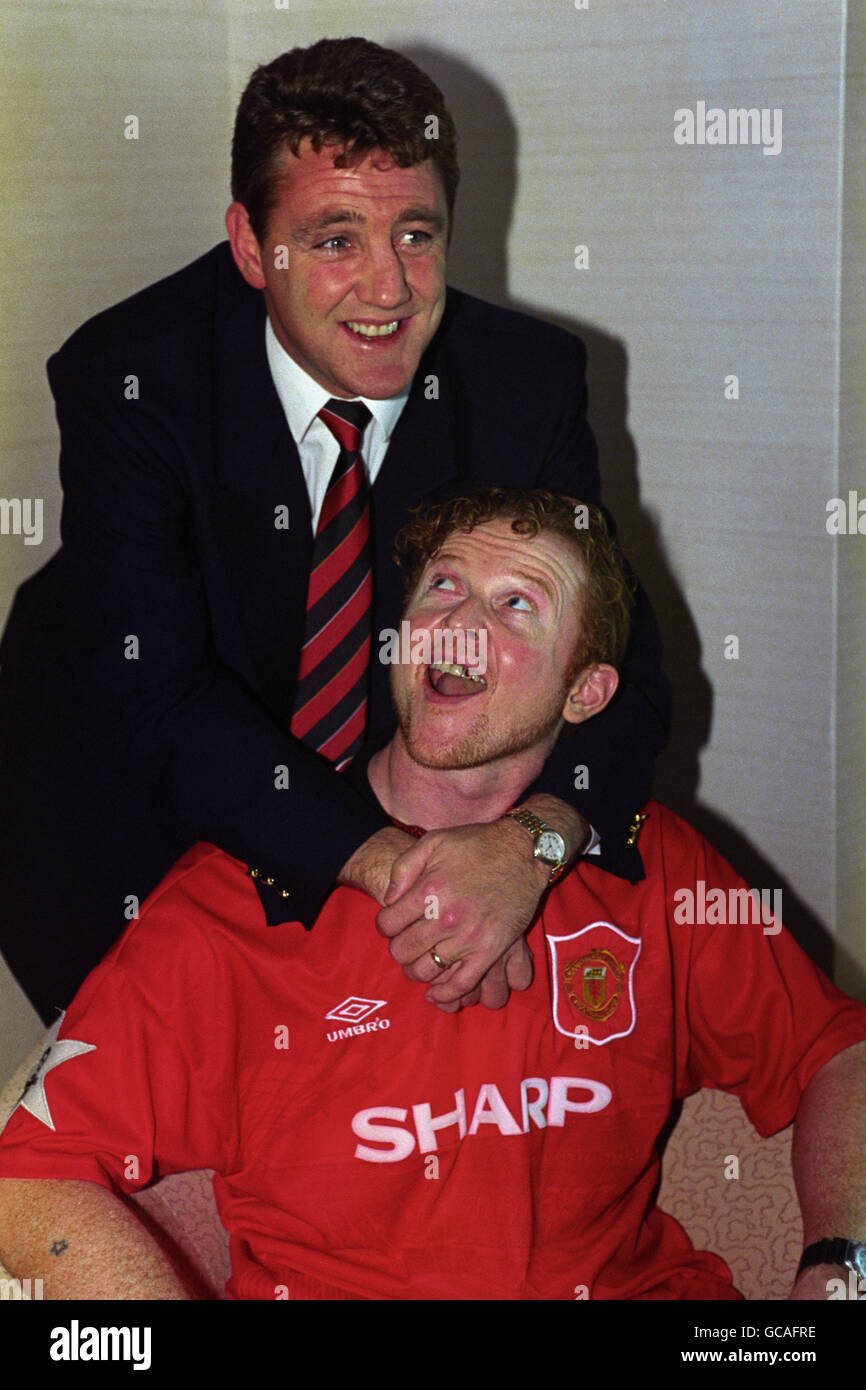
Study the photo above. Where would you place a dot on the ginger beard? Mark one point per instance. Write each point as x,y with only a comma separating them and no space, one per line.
496,731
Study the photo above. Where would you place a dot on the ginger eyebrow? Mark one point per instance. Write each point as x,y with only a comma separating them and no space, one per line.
531,581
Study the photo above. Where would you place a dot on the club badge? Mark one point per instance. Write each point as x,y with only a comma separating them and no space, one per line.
593,982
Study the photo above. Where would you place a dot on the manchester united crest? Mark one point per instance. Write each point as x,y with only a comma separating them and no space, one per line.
593,982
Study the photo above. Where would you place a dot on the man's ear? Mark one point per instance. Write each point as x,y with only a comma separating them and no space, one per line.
592,689
245,248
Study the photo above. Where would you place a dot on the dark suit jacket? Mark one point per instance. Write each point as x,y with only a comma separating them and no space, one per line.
148,668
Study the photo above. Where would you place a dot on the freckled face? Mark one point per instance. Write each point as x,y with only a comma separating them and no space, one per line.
528,594
364,289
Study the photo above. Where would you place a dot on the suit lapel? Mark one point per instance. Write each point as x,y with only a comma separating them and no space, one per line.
256,454
258,471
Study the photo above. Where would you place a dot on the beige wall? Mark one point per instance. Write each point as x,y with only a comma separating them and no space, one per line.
703,261
850,726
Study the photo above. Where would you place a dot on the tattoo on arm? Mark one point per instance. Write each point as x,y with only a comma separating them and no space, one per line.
59,1246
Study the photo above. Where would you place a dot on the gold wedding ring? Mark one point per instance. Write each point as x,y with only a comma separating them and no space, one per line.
438,960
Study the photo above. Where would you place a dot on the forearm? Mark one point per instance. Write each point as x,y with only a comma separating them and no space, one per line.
261,795
829,1149
369,868
82,1241
829,1162
209,759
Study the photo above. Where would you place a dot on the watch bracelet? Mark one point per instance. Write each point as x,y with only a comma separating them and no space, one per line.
536,826
851,1254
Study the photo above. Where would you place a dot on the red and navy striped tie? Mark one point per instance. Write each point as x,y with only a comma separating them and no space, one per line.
330,708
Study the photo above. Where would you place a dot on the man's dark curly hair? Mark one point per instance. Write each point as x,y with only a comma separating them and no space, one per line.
607,588
349,93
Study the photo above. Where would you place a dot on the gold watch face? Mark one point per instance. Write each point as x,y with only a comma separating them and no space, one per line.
550,848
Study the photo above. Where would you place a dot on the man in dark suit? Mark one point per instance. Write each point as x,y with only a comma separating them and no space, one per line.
150,672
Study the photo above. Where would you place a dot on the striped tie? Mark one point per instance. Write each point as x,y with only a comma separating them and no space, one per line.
331,697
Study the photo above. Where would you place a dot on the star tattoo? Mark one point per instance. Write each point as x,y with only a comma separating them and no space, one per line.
33,1096
59,1246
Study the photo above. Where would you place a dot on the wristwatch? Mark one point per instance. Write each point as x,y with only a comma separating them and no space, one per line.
549,845
850,1253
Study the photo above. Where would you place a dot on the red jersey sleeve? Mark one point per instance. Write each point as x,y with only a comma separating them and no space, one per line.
760,1017
136,1083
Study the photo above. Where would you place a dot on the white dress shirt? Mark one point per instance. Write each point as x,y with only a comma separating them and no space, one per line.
302,398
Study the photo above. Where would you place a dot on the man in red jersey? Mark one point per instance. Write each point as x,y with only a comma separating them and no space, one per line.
366,1146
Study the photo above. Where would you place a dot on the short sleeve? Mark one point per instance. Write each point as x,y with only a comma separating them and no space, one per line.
760,1017
133,1086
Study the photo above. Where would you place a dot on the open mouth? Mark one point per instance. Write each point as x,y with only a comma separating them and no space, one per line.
448,678
375,332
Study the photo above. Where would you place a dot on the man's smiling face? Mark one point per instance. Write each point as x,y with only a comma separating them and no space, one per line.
528,594
364,289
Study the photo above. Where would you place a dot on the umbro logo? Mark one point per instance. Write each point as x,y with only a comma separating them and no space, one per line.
355,1013
355,1010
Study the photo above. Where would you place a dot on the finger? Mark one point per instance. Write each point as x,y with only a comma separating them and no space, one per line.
415,942
461,979
466,1002
404,872
426,971
450,1008
413,906
494,987
519,965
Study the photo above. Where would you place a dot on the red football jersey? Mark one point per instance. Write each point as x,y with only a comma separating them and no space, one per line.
367,1145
